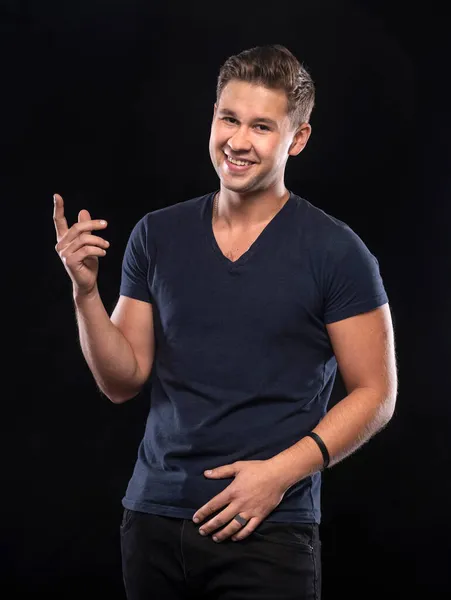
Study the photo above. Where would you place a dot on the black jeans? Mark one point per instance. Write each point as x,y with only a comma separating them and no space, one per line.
165,558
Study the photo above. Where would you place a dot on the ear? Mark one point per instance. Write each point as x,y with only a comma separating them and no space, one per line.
215,108
300,139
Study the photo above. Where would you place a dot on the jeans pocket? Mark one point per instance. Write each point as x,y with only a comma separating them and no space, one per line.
299,535
127,518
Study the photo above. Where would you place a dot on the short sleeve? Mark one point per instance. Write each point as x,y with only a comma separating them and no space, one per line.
136,264
352,281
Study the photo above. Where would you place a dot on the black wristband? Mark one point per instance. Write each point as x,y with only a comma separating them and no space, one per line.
322,447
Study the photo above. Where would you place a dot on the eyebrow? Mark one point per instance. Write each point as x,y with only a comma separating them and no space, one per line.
231,113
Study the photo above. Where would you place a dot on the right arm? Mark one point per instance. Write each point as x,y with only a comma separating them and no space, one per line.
119,350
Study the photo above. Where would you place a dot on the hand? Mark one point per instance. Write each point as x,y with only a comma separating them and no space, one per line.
77,248
256,491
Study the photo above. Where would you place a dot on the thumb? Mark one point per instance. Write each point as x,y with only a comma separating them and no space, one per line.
224,471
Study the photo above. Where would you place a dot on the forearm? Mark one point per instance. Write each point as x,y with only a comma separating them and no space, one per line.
346,427
106,350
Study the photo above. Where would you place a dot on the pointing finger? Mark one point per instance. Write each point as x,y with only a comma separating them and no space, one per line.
58,217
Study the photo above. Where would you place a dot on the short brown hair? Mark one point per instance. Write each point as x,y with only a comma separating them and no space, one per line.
274,67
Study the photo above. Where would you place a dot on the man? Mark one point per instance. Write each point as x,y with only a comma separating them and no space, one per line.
242,302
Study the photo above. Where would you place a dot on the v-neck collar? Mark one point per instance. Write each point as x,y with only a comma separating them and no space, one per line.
265,233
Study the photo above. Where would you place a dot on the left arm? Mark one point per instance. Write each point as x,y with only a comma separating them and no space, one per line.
364,348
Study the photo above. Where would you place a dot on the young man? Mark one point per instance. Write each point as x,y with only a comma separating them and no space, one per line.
242,301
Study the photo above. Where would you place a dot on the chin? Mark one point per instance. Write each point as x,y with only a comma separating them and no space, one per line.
239,188
236,184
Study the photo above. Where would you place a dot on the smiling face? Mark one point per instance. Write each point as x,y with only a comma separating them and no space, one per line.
251,126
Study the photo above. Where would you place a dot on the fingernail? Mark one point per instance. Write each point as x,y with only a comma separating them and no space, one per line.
202,532
215,539
102,222
196,520
54,198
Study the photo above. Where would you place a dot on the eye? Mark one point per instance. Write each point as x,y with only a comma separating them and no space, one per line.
263,127
230,119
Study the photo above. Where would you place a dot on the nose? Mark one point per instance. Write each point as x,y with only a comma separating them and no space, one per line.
240,142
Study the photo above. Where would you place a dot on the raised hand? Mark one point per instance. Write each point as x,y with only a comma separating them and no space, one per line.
78,249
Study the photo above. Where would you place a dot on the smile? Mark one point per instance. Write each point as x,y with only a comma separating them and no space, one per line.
237,165
240,163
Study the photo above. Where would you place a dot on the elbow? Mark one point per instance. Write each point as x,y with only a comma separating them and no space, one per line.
114,398
124,398
120,392
387,409
117,400
119,397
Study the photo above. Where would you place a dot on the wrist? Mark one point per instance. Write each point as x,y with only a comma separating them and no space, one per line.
284,470
297,462
81,297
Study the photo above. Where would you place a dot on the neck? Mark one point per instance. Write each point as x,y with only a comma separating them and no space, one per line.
239,211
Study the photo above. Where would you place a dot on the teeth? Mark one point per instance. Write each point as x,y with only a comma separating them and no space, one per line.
240,163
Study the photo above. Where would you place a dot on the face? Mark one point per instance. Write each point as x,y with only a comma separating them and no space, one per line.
251,125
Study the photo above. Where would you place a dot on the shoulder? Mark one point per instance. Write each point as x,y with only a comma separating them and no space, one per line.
319,222
325,233
165,224
176,213
155,224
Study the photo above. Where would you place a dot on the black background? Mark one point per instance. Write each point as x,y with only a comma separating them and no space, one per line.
110,105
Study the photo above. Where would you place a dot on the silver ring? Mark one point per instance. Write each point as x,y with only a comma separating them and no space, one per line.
241,520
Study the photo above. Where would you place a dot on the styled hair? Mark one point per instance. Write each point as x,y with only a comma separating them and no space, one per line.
273,67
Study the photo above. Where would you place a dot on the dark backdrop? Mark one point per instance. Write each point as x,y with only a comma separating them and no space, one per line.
110,104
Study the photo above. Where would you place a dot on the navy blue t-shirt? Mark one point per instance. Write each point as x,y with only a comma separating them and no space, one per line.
243,364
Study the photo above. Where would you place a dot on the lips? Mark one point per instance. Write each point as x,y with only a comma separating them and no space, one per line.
239,159
237,170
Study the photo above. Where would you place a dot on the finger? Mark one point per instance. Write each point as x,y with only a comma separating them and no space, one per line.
84,215
214,505
85,239
222,520
223,471
58,217
77,229
85,252
234,529
249,528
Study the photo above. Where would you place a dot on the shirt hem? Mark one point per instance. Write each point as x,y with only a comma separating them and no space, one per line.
277,516
135,293
356,309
